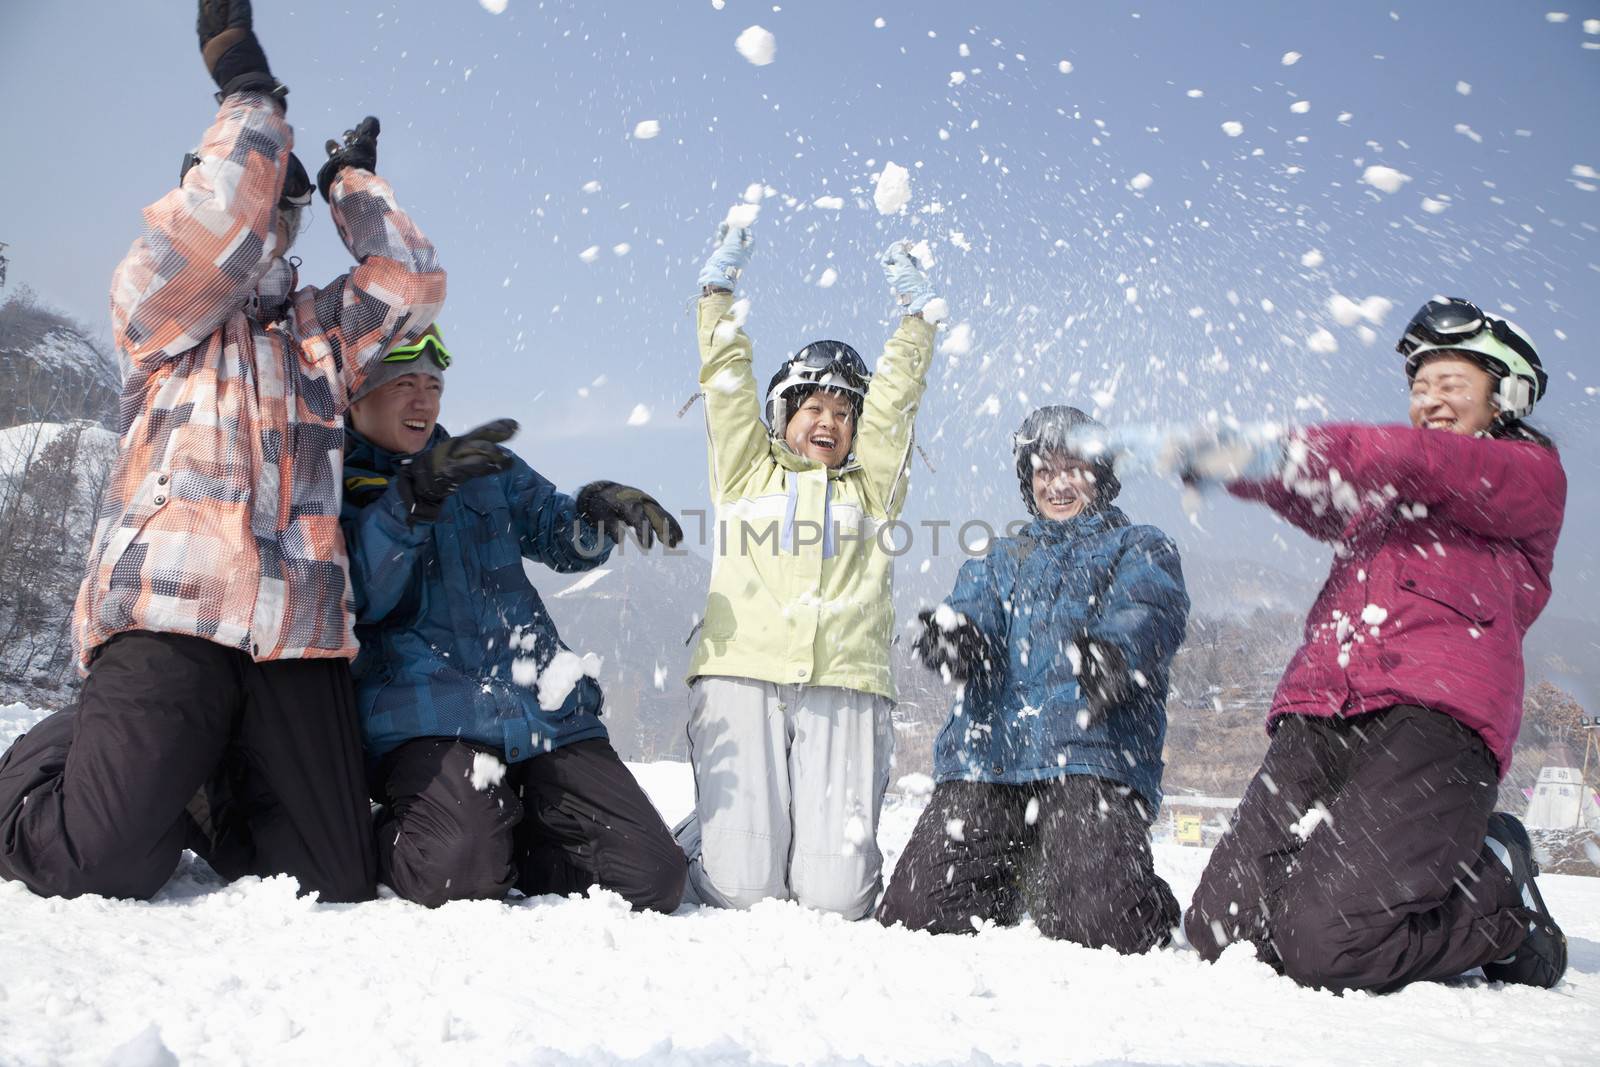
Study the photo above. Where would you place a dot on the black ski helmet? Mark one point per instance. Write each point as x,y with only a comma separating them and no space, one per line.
1050,429
819,365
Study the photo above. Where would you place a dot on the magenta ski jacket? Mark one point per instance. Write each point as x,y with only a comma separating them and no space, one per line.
1442,550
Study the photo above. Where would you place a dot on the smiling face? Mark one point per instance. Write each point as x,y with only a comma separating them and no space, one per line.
823,428
1454,394
1063,486
399,415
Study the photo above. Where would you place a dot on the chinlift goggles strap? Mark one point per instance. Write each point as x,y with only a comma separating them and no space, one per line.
1444,322
428,342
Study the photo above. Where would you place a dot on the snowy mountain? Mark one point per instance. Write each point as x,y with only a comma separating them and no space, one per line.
50,369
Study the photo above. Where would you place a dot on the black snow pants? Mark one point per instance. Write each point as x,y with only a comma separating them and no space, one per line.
558,823
1356,859
177,742
1074,852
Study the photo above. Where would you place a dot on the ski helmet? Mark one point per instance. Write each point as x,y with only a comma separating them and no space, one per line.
1499,346
1052,429
831,365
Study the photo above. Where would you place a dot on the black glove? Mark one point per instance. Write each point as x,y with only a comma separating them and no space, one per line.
962,650
230,50
616,509
360,149
428,478
1102,675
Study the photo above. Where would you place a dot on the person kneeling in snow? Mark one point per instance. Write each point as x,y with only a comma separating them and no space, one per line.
1366,853
483,733
213,621
1049,769
790,689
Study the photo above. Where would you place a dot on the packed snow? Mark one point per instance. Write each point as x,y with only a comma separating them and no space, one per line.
893,190
250,973
1385,178
757,45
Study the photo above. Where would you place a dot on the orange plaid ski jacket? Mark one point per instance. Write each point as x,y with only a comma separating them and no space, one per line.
221,517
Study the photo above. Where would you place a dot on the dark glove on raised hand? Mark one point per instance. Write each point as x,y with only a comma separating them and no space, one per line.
428,478
616,509
1102,675
359,149
960,650
228,45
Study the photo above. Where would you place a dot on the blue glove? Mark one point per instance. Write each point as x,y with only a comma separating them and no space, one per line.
907,279
729,259
1203,456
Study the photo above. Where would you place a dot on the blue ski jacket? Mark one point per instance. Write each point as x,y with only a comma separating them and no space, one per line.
453,635
1033,595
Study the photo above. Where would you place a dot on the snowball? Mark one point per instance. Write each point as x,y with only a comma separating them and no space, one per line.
1464,88
915,785
493,7
1322,341
958,342
1232,128
639,415
647,129
829,203
959,239
946,618
1432,206
1591,26
753,192
1195,94
1314,817
955,829
621,249
757,45
719,4
1373,615
957,77
564,671
1385,178
878,23
1555,16
1290,59
829,276
1312,258
1300,107
591,186
893,191
936,310
990,406
1347,312
742,215
922,252
1140,182
1065,66
1030,815
590,254
486,771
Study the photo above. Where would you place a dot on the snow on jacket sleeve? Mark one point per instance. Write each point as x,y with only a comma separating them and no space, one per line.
736,436
883,440
548,526
1144,611
385,553
205,244
1495,488
392,295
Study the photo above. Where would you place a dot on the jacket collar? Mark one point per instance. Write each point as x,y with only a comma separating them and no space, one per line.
1052,531
362,453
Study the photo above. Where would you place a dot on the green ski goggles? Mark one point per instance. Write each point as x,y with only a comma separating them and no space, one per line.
428,341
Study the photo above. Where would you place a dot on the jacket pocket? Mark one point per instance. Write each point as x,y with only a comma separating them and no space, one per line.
1446,589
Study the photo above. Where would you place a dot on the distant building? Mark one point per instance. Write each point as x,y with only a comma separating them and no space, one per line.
1561,801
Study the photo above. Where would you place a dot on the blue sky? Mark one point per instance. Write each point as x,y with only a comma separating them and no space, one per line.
1204,286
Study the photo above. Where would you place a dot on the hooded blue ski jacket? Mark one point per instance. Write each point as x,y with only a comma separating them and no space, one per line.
448,622
1033,595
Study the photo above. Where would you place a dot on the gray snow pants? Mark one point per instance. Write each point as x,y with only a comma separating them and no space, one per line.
1390,883
789,782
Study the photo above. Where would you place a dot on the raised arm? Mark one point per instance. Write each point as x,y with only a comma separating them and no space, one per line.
883,445
206,243
736,437
397,287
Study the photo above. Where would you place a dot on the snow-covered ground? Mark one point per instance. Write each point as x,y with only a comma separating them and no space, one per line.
248,973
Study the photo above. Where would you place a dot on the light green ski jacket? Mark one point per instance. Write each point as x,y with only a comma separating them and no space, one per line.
800,578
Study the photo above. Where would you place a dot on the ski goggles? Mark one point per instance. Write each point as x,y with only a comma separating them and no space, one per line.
1452,320
428,342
